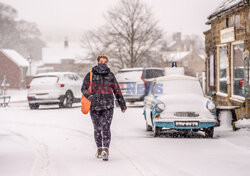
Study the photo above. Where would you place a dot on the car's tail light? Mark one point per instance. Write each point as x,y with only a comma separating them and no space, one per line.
157,116
143,80
61,85
241,82
28,86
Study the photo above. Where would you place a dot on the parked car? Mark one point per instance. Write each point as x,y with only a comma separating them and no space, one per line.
62,88
133,83
177,103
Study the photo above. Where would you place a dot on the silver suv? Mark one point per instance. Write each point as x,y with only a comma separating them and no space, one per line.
133,82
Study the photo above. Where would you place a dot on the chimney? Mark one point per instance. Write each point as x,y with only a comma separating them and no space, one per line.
177,37
66,43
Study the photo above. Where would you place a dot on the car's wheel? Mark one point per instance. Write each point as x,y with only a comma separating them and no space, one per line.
148,127
209,132
156,131
67,101
34,106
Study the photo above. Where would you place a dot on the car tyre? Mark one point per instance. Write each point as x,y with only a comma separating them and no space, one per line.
34,106
148,127
67,101
156,131
209,132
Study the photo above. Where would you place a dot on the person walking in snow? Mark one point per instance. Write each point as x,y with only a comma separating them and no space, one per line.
104,85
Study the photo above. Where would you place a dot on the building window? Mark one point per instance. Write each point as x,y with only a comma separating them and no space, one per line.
211,70
227,22
234,20
237,20
231,21
223,64
185,63
247,74
238,69
22,75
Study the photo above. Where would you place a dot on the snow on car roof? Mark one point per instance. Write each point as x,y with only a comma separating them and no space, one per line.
140,69
175,77
131,69
53,74
15,57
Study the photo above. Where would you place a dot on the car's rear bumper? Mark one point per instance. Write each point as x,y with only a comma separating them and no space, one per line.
45,101
132,98
171,123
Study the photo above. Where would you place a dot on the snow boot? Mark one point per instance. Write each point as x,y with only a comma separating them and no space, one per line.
99,153
105,154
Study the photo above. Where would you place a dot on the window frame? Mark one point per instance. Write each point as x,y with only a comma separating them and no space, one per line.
211,70
218,71
232,70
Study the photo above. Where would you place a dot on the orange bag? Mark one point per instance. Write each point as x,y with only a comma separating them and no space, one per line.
84,101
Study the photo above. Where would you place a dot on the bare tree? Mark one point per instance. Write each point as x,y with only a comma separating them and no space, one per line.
19,35
130,36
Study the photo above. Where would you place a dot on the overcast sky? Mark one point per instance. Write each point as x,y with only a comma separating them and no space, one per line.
187,16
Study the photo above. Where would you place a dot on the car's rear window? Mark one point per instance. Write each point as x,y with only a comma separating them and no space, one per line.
44,80
153,73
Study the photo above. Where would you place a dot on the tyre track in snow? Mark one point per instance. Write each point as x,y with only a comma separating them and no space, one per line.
41,163
139,164
142,170
41,160
41,151
48,126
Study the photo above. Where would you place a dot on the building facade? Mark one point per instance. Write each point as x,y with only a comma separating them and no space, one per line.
14,67
192,63
227,56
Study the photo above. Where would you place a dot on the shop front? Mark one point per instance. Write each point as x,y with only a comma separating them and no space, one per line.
227,61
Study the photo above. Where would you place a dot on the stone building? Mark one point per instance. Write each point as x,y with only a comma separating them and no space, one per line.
227,55
192,63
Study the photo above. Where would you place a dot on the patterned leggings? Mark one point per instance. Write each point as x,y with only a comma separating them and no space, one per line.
102,122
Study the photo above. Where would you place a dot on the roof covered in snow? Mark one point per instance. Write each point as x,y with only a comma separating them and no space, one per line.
54,53
175,56
15,57
226,5
171,44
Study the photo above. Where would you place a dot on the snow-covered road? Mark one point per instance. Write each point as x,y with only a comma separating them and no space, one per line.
59,142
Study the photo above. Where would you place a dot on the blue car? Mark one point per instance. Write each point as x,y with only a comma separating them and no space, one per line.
177,102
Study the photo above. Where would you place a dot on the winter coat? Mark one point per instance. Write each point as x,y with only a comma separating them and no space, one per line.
104,85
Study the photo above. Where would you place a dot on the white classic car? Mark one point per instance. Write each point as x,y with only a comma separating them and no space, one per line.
177,103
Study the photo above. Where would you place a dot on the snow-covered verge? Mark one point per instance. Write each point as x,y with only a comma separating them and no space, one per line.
225,118
243,123
17,95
